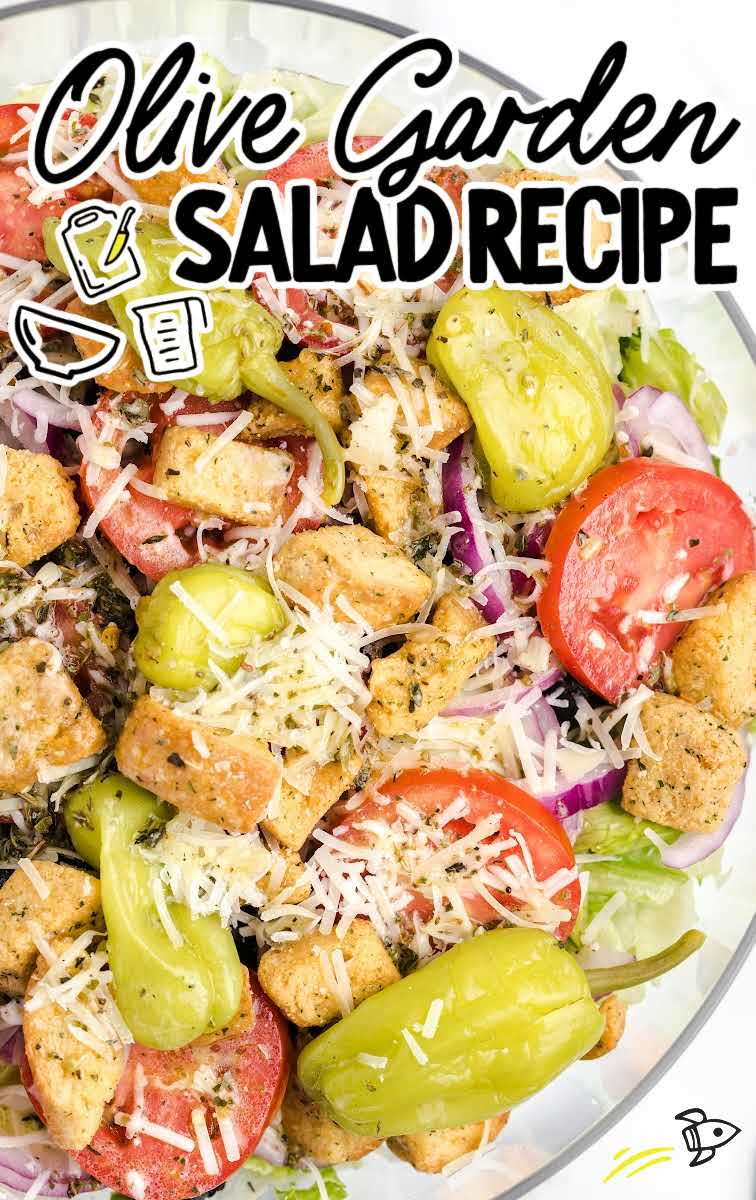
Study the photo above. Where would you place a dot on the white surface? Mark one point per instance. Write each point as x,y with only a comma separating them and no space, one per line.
695,51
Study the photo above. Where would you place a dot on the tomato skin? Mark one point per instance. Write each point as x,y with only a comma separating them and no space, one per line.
313,161
617,546
431,790
259,1057
129,525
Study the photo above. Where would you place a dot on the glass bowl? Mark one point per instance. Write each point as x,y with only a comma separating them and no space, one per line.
36,40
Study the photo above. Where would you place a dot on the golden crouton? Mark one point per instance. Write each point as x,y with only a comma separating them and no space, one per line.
43,720
72,906
434,403
614,1012
162,187
414,684
128,373
431,1152
293,877
601,231
310,1132
38,510
298,814
714,660
398,507
318,376
294,974
242,482
380,582
73,1082
233,786
700,760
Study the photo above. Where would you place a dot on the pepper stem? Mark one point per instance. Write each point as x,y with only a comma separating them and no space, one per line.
603,980
269,381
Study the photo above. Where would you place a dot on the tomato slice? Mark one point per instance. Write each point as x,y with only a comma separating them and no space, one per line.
153,535
314,162
241,1076
429,792
643,537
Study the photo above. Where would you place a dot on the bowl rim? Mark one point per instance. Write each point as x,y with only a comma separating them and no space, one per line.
748,338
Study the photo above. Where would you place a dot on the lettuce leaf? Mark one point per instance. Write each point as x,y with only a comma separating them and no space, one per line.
289,1183
608,829
314,102
603,320
667,365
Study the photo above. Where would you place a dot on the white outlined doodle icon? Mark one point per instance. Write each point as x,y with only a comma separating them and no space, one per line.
25,325
120,264
168,333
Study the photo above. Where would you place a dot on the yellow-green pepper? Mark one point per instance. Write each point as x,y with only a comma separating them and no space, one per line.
173,646
168,995
239,351
540,399
516,1010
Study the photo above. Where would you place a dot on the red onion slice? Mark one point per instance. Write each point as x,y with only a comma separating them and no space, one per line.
692,848
470,546
661,420
490,702
535,543
603,783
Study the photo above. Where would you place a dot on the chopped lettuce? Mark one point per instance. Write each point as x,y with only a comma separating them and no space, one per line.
657,900
314,102
608,829
603,319
661,361
289,1183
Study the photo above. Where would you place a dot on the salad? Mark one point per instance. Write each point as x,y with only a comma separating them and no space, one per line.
372,703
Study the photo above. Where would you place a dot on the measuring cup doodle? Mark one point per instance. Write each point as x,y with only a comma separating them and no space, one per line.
120,264
168,332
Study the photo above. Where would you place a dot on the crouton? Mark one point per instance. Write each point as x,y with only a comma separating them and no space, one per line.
601,231
242,482
714,660
380,582
699,760
38,510
434,403
233,786
398,507
73,905
318,376
73,1082
162,187
311,1133
128,373
431,1152
294,877
414,684
44,722
294,976
298,813
614,1012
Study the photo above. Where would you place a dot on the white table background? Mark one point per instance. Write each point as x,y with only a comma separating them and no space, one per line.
696,51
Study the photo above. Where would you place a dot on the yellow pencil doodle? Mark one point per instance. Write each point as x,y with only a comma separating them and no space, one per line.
639,1161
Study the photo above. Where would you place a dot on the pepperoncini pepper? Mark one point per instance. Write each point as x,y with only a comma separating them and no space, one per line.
239,351
516,1010
540,399
167,994
174,649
